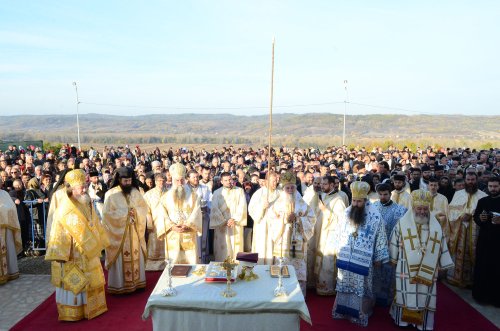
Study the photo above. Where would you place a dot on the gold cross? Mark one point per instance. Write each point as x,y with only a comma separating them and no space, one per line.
410,237
434,241
228,265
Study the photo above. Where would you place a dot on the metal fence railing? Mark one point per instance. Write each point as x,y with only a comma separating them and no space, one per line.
32,204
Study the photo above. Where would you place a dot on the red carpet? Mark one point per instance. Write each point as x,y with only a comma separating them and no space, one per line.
453,314
124,313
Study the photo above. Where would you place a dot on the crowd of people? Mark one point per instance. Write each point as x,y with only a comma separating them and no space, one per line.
377,226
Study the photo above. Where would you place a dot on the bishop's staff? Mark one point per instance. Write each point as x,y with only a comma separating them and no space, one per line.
270,126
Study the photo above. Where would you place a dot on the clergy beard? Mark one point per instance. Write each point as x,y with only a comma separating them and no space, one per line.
357,215
289,200
179,195
421,218
126,189
84,199
471,188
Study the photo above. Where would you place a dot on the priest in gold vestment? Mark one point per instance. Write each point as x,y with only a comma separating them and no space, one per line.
124,216
156,247
228,216
464,232
181,223
291,225
57,193
74,248
10,238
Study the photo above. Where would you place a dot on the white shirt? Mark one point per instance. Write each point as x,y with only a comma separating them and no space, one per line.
204,194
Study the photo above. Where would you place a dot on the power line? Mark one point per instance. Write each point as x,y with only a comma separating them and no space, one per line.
209,108
392,108
261,107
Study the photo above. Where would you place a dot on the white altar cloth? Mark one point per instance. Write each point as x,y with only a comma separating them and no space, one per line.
200,306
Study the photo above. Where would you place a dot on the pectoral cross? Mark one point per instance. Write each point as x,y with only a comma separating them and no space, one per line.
434,241
410,237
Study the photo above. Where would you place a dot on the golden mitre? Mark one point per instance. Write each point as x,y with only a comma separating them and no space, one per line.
421,198
177,170
75,177
288,178
360,190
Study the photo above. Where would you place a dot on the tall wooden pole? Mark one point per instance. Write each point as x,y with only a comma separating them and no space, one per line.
270,124
77,117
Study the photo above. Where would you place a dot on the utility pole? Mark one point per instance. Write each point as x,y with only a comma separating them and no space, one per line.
346,101
77,116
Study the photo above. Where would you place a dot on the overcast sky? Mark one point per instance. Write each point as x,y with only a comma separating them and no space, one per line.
139,57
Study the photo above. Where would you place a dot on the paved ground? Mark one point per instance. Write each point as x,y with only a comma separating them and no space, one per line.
23,295
20,296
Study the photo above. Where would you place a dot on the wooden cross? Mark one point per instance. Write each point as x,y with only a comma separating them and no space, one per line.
410,237
434,241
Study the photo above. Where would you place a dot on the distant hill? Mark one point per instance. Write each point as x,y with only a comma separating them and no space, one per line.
318,129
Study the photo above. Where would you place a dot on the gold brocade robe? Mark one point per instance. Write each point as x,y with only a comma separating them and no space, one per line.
325,269
181,248
77,241
9,231
290,240
126,235
463,237
59,194
227,204
156,247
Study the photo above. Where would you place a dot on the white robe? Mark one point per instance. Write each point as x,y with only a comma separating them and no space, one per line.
402,198
324,269
204,193
261,242
424,297
227,204
10,238
312,200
